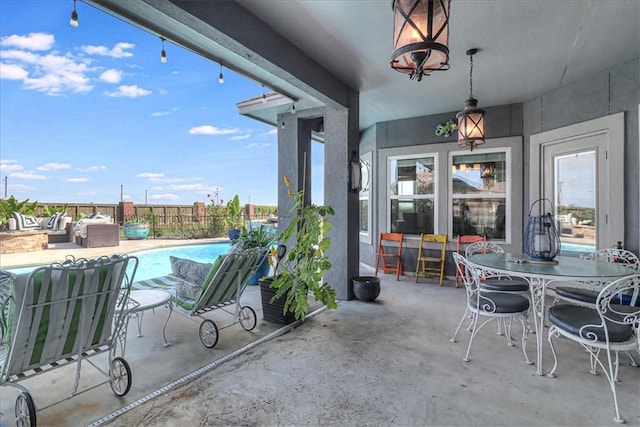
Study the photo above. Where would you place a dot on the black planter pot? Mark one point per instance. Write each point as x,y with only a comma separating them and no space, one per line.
272,312
366,288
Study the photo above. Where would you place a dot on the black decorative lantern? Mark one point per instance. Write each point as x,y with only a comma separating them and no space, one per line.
541,238
355,170
471,119
420,37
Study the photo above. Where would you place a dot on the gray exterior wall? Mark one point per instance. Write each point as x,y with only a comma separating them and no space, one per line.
616,90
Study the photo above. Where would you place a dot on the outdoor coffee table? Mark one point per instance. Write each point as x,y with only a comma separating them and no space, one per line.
143,300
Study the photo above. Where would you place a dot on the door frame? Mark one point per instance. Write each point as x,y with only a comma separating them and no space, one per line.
612,128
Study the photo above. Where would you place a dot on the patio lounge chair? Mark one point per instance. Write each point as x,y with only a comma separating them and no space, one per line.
222,286
62,314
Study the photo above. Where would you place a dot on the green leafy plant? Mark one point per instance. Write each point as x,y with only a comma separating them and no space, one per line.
50,210
234,213
303,266
12,205
260,237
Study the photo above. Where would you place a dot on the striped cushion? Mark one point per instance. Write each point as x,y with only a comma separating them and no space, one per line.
25,222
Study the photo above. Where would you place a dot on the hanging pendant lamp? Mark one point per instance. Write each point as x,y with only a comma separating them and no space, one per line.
420,37
471,119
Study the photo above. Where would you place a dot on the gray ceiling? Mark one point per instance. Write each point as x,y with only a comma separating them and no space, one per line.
527,47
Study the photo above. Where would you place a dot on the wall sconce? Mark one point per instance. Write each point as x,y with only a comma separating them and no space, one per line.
420,37
541,237
74,17
471,119
355,170
488,174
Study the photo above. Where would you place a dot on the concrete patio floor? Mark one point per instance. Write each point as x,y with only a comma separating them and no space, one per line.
389,362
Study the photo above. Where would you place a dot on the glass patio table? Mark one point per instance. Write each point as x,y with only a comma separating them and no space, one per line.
540,276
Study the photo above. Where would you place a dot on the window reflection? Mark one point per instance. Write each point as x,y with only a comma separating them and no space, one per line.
412,216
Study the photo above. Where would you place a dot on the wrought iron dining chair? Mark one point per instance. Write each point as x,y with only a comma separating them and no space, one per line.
463,242
492,305
493,282
613,327
390,253
427,265
586,293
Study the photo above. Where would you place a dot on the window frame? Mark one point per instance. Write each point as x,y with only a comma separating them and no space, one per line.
507,195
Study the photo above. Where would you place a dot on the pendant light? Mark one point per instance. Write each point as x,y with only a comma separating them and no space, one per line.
420,37
74,17
220,76
471,119
163,53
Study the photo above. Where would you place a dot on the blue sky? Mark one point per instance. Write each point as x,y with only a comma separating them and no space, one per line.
84,111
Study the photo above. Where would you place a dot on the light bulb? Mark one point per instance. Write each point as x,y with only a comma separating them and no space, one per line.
220,76
163,57
74,17
293,109
264,98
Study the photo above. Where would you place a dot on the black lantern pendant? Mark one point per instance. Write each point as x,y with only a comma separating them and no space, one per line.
471,119
541,237
420,37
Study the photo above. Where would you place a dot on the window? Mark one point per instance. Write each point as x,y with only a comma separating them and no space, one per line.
365,213
412,182
479,194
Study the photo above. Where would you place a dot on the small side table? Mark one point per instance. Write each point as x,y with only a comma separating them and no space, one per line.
143,300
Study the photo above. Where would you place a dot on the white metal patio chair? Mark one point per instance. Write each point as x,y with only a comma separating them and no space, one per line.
492,305
612,326
64,314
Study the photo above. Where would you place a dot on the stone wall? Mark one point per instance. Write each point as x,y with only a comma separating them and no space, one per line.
23,241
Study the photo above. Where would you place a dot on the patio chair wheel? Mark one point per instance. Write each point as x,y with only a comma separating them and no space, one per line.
248,318
208,333
25,410
120,376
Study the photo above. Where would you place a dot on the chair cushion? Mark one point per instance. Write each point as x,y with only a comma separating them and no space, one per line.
572,318
505,285
503,302
191,274
578,294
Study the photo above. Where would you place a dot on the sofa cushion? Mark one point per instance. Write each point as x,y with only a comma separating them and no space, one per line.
53,222
26,222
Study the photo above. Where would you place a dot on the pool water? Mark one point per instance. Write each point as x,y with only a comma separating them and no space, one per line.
155,262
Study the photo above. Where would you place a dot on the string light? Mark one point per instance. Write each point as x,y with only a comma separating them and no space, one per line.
74,17
264,95
220,76
293,109
163,53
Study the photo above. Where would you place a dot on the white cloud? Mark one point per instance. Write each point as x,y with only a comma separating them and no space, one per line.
258,145
19,188
10,166
273,131
167,196
126,91
120,50
238,137
12,72
27,175
92,168
79,179
149,175
32,41
111,76
164,113
191,187
211,130
54,166
52,73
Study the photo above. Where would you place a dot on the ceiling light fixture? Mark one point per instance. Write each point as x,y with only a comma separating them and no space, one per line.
420,37
471,119
293,108
220,76
163,53
74,17
264,95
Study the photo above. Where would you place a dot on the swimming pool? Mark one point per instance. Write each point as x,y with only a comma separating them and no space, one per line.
155,262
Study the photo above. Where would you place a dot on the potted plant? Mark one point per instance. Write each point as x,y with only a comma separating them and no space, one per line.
299,272
260,237
136,228
234,218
